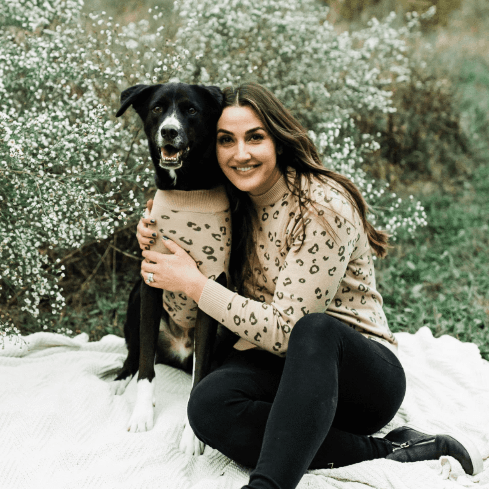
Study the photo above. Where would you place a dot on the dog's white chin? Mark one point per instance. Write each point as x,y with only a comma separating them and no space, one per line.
169,166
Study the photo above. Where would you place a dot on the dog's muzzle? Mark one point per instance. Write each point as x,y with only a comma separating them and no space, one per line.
171,158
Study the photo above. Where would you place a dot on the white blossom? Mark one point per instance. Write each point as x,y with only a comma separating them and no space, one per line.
70,173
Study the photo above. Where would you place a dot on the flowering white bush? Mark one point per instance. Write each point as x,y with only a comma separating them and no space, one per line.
68,171
327,80
70,174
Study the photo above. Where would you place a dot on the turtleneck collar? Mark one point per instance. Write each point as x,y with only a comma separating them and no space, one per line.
273,195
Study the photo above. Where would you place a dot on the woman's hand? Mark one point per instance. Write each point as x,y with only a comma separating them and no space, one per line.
146,237
174,272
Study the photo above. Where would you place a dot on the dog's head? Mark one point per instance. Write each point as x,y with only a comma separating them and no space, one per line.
180,123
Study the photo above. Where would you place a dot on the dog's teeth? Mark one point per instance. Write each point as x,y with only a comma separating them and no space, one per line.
173,159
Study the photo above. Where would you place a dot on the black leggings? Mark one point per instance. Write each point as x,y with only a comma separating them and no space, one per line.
311,410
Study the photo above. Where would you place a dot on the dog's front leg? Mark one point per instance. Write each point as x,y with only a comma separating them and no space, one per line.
189,443
204,339
204,336
151,310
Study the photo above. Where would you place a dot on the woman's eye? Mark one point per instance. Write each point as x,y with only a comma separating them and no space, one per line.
224,139
257,137
192,111
157,109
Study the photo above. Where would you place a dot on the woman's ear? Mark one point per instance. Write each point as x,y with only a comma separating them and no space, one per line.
279,149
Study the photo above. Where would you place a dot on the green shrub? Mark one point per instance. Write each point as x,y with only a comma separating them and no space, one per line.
70,175
425,137
352,10
441,118
329,81
464,49
68,171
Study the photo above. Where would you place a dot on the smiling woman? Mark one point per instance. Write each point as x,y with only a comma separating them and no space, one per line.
246,151
315,370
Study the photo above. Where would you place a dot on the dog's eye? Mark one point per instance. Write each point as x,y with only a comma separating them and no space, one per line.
192,111
157,109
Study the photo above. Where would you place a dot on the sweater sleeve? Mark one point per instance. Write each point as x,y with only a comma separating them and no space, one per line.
314,266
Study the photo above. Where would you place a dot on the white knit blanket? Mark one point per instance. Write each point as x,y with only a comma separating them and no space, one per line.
61,428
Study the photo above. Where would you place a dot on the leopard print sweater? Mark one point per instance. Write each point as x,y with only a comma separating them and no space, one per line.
299,270
200,222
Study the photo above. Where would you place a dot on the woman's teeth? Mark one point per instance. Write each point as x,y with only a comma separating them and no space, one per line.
246,168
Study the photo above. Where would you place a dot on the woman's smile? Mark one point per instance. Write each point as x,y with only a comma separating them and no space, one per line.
246,168
245,151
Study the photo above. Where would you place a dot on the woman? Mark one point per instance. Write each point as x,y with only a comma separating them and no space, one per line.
315,371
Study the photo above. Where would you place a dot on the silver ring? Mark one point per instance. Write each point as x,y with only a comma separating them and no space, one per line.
150,278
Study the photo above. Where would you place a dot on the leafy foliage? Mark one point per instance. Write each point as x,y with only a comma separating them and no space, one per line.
440,279
70,175
425,135
353,9
63,169
329,81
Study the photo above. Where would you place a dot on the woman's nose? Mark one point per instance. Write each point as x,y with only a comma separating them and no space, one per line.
242,154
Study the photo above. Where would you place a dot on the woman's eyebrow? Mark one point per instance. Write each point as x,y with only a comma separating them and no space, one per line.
247,132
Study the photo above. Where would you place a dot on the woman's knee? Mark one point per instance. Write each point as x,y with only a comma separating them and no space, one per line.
226,419
205,407
216,404
317,325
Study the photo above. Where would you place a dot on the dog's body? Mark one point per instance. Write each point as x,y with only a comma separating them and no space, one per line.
179,121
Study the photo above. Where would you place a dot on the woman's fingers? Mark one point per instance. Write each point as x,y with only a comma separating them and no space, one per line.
149,266
146,236
145,243
145,231
143,228
147,220
171,271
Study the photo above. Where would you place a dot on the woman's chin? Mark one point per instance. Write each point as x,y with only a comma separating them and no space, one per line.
256,181
246,183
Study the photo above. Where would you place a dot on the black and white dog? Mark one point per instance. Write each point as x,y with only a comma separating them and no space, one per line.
179,121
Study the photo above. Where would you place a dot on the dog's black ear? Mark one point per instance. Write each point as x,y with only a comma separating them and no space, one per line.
129,96
216,94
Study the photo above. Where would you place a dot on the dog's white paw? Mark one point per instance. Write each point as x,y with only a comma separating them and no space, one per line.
142,419
118,387
189,443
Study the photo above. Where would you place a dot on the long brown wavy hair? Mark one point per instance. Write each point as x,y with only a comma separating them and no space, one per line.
296,150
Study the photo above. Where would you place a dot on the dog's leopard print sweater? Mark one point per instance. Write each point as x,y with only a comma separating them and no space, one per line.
199,221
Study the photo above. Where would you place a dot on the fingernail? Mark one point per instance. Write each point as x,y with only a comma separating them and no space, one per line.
151,241
152,222
165,238
154,235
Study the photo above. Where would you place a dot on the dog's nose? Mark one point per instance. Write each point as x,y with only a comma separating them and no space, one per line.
169,132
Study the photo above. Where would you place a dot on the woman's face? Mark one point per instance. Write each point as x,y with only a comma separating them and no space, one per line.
245,151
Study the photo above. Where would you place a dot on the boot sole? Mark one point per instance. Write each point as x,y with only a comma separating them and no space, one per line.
475,456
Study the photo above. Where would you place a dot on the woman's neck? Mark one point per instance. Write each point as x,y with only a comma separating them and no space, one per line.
273,194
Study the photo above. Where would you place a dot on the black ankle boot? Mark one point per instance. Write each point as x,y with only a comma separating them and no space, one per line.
411,445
